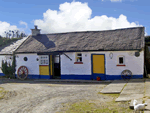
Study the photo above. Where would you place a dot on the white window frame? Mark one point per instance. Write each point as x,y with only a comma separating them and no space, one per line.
123,60
78,57
43,60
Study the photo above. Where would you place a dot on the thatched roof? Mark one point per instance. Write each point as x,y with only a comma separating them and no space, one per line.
120,39
11,47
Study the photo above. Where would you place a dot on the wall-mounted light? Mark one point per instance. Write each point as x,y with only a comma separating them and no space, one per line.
111,55
137,54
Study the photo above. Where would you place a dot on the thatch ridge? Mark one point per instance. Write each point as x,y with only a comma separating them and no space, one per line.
93,31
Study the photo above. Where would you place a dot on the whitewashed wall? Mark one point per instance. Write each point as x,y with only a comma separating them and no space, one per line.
68,66
32,64
134,64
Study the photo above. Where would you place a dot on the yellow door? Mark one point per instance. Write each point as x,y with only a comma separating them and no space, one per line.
44,70
98,64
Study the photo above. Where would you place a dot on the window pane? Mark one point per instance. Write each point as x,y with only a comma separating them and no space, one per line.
120,60
79,54
42,61
46,61
80,59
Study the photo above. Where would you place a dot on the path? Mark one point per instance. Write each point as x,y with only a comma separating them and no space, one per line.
133,90
114,87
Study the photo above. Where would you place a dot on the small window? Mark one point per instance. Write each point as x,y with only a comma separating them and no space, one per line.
44,60
25,58
79,57
120,60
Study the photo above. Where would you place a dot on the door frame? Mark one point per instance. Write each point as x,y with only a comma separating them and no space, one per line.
51,66
92,76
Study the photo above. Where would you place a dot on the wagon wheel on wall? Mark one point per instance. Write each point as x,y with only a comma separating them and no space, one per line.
22,72
126,74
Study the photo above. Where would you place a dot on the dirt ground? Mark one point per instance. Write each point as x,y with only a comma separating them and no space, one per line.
31,97
39,97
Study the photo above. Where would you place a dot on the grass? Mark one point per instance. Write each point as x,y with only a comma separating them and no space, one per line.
2,92
112,95
96,106
91,107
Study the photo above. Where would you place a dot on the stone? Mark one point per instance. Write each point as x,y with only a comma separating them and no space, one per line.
114,88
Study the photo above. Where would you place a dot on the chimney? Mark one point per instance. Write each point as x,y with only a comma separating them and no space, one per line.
35,31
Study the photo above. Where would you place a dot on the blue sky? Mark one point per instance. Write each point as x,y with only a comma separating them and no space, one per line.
64,16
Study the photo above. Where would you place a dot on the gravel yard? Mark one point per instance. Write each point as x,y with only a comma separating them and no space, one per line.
47,98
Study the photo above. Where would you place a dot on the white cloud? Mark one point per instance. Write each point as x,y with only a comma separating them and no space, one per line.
76,16
4,26
23,23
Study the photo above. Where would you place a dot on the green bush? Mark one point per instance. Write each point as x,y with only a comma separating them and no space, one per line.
8,69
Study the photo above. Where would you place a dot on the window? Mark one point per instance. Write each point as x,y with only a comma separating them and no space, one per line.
44,60
121,61
56,59
79,57
25,58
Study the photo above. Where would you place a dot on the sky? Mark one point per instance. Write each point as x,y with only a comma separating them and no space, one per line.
56,16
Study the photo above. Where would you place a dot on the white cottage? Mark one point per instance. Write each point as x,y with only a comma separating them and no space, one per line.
82,55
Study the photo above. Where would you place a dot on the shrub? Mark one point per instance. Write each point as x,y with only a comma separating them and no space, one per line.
8,69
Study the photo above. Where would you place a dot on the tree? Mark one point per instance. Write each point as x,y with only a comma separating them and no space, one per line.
9,33
6,34
13,34
5,67
13,69
23,35
17,34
